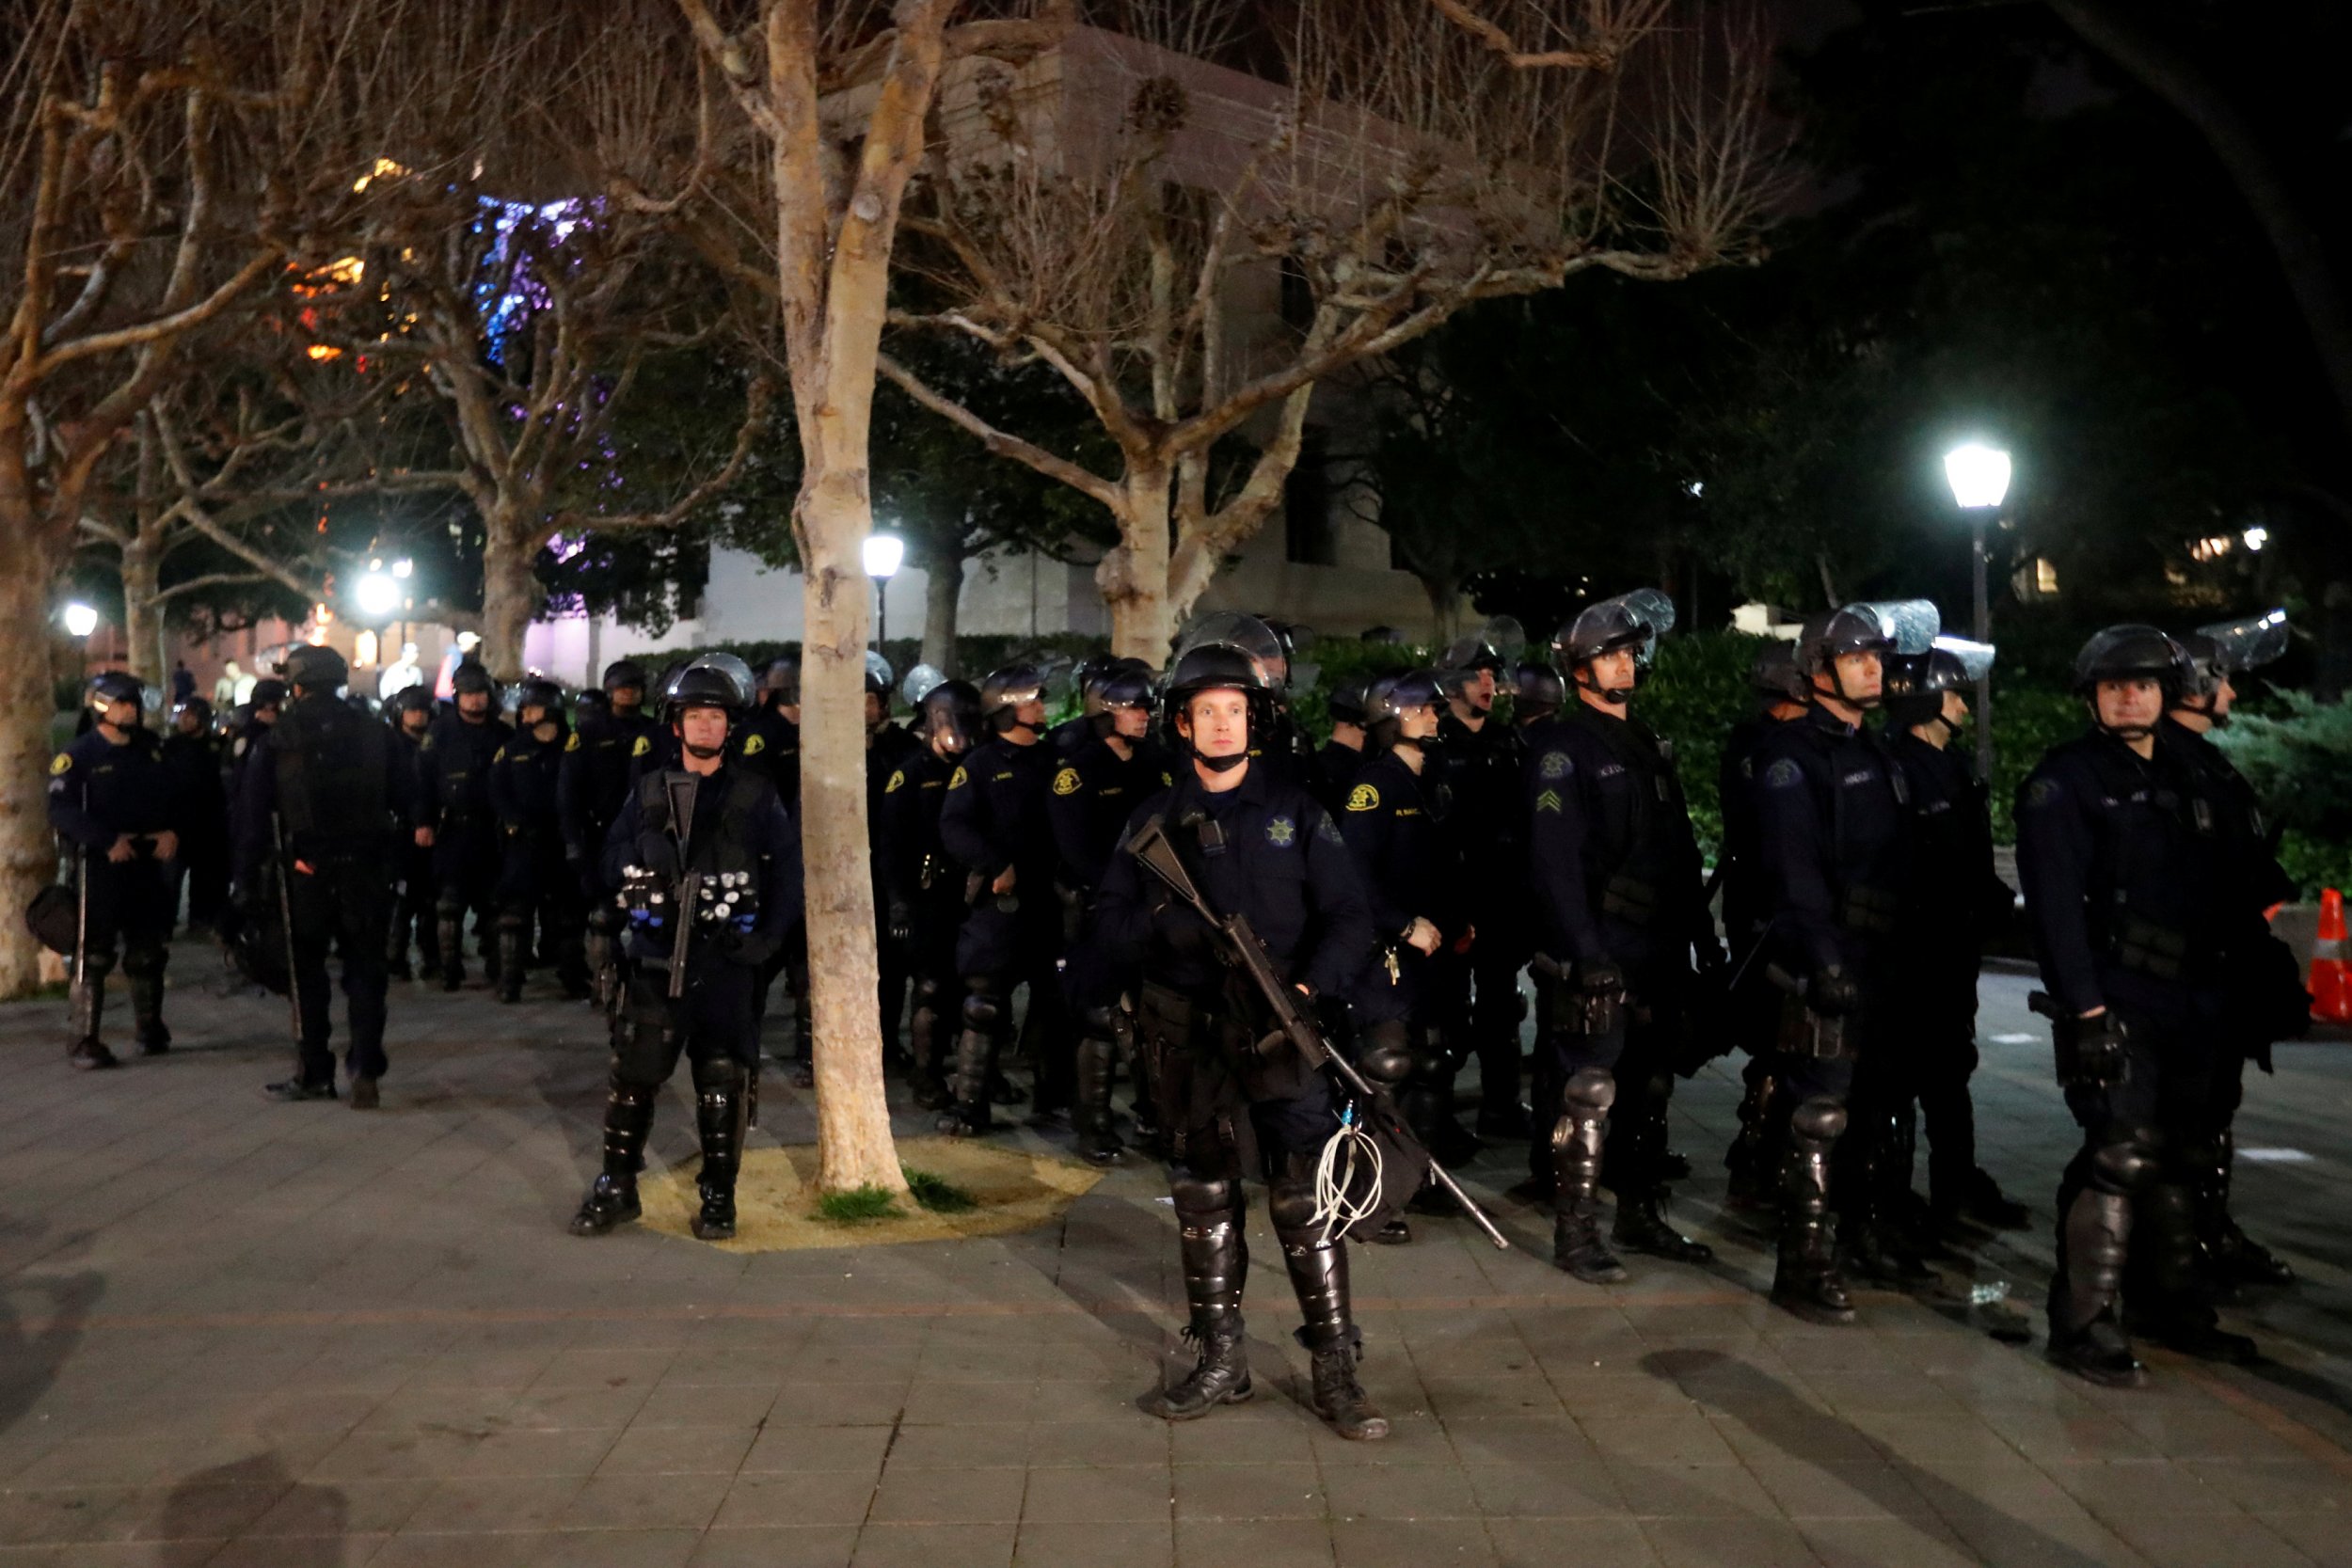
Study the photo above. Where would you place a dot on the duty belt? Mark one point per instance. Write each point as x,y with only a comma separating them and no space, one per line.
1868,909
2154,950
1633,902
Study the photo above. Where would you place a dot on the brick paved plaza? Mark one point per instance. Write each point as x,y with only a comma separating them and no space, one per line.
237,1333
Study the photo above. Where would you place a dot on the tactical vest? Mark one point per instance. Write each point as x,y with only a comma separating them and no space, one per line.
331,766
714,856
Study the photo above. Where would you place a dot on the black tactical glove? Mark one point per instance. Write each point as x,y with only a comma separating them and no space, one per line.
1599,975
1833,992
899,921
2090,1051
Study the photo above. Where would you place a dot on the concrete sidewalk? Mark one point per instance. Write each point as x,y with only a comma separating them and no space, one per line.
237,1333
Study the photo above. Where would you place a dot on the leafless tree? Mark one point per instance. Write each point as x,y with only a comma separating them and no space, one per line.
160,160
1195,247
838,95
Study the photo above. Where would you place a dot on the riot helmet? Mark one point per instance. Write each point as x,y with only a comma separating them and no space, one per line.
316,669
1880,627
1346,703
1090,674
1475,662
543,694
408,700
268,693
1246,635
1126,690
1914,685
196,707
1391,698
2216,653
470,678
591,703
109,686
1632,622
621,675
1537,691
1005,692
707,682
1773,677
1220,667
2129,653
947,715
780,683
878,678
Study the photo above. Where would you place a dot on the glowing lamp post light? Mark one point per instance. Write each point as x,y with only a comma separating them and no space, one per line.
1979,480
883,553
376,595
80,620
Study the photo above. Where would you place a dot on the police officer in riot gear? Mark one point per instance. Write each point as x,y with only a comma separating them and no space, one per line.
1097,788
1339,757
410,715
1262,847
1753,1003
192,756
1957,900
254,715
1621,909
995,823
889,747
591,784
455,820
1396,824
113,800
1833,843
924,906
1479,759
326,793
707,862
2131,918
2269,1002
1537,694
536,880
772,742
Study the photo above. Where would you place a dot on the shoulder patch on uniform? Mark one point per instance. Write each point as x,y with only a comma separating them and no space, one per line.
571,742
1363,798
2040,792
898,780
1783,775
1554,765
753,744
960,777
59,763
1548,800
1066,782
642,747
1168,780
1280,832
499,755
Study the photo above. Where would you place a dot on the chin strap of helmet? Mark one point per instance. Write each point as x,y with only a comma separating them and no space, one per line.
1615,696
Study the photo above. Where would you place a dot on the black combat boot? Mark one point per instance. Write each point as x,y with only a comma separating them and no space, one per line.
84,1012
2165,1304
925,1083
1875,1184
1092,1116
1638,1148
147,1007
720,1107
1577,1142
1753,1159
2232,1257
2086,1338
1318,1271
449,928
1806,1281
513,938
976,1061
1215,1261
627,1117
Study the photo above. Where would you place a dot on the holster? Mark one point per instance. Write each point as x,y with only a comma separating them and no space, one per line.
1806,1033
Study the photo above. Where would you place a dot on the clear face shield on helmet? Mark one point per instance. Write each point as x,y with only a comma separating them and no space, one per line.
1246,634
2224,649
739,675
1882,626
1629,622
1475,665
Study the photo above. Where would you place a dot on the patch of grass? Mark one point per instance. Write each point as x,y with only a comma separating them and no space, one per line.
858,1206
937,1194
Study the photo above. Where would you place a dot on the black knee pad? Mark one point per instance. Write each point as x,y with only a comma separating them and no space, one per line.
721,1073
514,919
926,991
142,961
1819,1120
980,1010
1199,1196
1386,1055
2127,1164
450,904
1099,1024
1589,1091
1290,1202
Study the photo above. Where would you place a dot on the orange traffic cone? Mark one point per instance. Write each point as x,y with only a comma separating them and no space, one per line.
2329,986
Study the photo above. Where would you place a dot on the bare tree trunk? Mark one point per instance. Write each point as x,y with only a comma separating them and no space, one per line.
1134,576
942,592
511,596
27,849
142,609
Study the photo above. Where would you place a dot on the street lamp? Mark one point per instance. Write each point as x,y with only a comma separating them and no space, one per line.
376,595
883,552
1980,481
80,620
